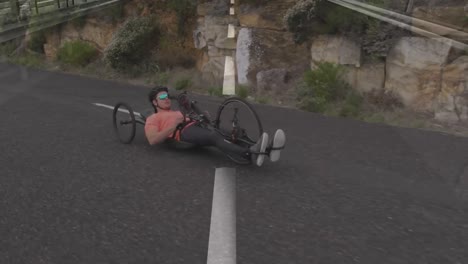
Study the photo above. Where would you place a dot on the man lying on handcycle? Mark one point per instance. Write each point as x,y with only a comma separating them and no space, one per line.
165,124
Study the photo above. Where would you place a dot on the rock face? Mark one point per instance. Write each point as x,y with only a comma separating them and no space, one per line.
213,8
267,15
335,49
272,81
414,71
443,12
366,78
93,31
452,101
419,70
260,49
343,51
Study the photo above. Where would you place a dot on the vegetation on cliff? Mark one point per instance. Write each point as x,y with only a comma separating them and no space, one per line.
77,53
131,42
314,17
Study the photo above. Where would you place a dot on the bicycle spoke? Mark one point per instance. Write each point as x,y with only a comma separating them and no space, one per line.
240,120
234,119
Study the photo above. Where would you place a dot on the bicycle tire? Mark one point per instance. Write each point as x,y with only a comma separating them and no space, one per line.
239,160
131,122
235,99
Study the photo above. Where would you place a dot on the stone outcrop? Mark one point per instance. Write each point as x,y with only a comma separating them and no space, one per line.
368,77
414,71
445,13
213,8
343,51
259,50
93,31
267,15
417,70
272,81
452,101
335,49
424,73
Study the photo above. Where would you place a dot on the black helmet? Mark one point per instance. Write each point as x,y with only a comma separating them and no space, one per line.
155,91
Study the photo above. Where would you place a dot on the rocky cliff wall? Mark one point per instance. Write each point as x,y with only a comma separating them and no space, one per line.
426,74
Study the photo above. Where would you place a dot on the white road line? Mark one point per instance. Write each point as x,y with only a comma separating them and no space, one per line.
232,11
112,108
231,31
233,1
222,241
229,84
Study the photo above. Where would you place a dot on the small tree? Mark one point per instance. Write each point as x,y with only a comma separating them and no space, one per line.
299,19
131,42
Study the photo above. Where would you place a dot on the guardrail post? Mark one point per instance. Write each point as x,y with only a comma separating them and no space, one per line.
58,4
409,7
37,8
14,5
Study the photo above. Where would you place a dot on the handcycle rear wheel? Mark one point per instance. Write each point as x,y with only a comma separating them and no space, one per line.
124,122
245,133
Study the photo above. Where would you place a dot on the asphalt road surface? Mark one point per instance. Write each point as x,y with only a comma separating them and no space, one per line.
343,192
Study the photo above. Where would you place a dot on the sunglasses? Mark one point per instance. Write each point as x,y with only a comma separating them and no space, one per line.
163,96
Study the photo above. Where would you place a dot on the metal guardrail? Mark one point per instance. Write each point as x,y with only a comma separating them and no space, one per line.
13,11
454,37
44,20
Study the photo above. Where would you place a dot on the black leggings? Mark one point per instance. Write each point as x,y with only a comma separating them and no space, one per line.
204,137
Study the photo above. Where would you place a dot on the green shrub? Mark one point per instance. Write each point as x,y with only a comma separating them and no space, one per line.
27,59
115,12
374,118
322,86
313,17
79,22
337,19
313,104
352,105
215,91
253,2
77,53
185,9
263,100
383,99
299,19
7,48
162,78
131,42
37,41
242,91
183,84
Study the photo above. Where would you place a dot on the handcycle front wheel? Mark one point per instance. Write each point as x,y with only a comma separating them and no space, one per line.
238,121
124,122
